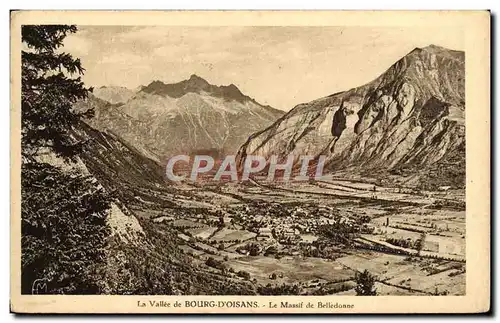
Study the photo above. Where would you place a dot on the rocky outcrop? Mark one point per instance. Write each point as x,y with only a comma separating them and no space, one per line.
403,123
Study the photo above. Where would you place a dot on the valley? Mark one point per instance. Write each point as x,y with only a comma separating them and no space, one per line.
394,204
315,236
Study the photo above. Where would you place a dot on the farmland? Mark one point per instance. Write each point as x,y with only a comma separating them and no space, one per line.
314,236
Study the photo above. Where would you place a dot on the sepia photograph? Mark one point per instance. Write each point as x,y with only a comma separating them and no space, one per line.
197,165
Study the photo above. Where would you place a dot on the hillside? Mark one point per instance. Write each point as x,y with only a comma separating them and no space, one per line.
144,257
407,125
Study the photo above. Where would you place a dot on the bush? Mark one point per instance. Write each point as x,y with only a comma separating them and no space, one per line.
365,284
211,262
279,290
244,274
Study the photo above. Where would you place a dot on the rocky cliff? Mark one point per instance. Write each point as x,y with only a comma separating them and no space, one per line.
408,124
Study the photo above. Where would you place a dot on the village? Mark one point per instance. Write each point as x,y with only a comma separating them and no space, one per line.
274,228
318,236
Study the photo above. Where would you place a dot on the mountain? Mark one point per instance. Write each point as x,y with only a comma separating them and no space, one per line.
186,117
407,125
196,84
114,94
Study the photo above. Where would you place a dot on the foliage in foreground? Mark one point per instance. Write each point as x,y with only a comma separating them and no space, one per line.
63,212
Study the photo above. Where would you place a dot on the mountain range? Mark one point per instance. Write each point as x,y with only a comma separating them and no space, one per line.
191,116
405,126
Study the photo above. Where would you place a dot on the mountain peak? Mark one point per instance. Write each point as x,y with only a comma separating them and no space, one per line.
195,77
196,84
154,83
440,51
368,126
433,47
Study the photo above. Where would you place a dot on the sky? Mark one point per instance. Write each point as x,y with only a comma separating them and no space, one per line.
279,66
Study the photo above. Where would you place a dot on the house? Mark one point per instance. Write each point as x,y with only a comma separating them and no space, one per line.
265,232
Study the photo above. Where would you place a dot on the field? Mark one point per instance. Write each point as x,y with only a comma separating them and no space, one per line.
412,242
232,235
293,269
203,233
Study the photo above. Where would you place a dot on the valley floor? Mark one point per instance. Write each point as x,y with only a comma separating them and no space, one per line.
314,236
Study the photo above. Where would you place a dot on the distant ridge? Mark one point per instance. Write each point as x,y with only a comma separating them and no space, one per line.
196,84
162,119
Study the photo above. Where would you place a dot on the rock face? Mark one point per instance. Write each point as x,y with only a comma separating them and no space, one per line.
409,122
186,117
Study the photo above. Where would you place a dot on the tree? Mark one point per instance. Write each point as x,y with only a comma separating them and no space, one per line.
419,244
365,284
48,93
283,289
243,274
271,251
253,249
63,212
